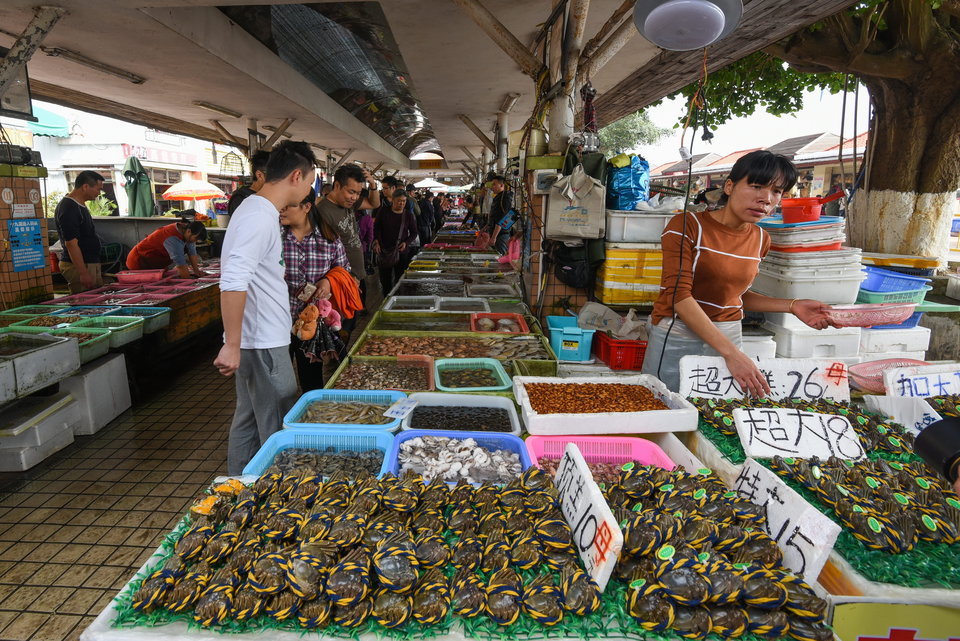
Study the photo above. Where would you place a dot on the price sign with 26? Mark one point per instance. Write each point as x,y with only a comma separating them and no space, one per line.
806,379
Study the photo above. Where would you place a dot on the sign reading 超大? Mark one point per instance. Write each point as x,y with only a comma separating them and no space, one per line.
803,533
596,533
768,432
800,378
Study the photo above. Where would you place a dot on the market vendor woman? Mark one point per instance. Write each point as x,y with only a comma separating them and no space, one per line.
710,260
171,244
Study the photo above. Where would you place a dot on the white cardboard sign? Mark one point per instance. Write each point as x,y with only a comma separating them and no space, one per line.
922,381
767,432
596,534
401,408
803,533
801,378
911,412
24,210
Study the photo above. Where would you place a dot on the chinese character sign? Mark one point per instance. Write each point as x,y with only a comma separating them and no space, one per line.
803,533
596,534
27,246
799,378
768,432
923,382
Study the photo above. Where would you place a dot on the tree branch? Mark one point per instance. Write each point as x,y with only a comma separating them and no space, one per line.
914,22
951,7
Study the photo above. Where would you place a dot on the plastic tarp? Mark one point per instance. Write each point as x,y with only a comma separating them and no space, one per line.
628,185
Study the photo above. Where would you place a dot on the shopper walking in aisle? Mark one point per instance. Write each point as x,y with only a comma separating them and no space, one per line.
710,260
255,306
500,210
427,220
310,250
80,263
174,244
394,230
258,172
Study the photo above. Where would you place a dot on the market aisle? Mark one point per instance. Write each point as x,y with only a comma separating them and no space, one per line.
75,528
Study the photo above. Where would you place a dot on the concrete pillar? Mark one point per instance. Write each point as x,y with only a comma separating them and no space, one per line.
503,127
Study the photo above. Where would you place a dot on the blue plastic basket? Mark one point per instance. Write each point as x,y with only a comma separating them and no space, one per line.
154,318
569,342
377,397
485,440
309,438
884,280
492,364
910,323
91,311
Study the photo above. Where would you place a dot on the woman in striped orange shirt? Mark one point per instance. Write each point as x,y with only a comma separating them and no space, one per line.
710,260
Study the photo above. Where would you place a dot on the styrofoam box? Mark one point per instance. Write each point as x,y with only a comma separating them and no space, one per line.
20,459
442,399
681,417
635,226
102,391
759,347
920,355
815,343
913,339
953,286
8,381
834,291
572,370
35,420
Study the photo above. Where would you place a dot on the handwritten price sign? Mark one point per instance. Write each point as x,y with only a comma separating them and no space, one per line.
911,412
800,378
923,381
804,534
596,533
767,432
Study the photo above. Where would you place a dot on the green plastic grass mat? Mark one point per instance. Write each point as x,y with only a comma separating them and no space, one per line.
928,565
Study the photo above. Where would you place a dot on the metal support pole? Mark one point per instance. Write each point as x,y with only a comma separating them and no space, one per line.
573,41
501,36
503,126
487,143
253,137
44,18
561,109
486,159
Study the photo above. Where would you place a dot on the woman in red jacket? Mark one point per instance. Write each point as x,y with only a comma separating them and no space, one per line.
175,243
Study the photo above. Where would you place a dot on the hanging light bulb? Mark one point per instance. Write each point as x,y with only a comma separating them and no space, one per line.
683,25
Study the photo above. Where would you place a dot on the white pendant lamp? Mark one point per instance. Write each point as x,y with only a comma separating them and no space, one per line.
683,25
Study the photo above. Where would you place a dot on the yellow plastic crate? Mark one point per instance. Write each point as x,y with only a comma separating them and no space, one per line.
647,274
626,294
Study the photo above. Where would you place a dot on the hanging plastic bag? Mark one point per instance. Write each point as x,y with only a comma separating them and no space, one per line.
600,317
633,327
626,186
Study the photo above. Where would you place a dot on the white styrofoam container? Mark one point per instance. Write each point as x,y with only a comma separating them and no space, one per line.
8,381
635,226
442,399
913,339
833,291
815,343
20,459
681,417
920,355
759,347
785,319
597,368
953,286
102,391
34,420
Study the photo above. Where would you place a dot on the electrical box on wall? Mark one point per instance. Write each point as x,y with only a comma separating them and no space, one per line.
543,180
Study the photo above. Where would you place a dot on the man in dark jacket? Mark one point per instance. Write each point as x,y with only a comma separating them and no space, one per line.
428,219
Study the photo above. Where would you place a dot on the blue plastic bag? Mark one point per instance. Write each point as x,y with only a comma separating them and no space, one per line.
628,185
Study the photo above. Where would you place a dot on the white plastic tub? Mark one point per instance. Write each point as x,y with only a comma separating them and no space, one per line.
759,346
635,226
916,356
442,399
953,286
914,339
832,289
807,342
681,417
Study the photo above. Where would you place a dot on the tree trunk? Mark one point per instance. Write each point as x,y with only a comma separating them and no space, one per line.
914,167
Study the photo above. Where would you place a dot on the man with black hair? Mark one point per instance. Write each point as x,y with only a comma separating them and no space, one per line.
80,264
337,211
258,169
429,220
254,303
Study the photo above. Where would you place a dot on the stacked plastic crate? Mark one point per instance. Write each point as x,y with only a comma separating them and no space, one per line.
906,340
808,260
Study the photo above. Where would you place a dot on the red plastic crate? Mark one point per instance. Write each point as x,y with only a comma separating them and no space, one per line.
618,353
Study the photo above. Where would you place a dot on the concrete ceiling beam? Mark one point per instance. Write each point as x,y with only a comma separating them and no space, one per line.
44,18
477,132
502,36
279,131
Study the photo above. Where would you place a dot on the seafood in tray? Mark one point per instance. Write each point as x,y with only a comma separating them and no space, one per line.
453,459
327,462
455,347
473,419
384,375
350,412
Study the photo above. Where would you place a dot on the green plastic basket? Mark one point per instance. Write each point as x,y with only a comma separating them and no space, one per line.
448,364
123,329
908,296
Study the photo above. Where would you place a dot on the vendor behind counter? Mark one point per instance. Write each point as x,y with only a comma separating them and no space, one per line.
171,244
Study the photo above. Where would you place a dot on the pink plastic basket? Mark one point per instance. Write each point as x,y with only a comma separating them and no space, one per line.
870,314
140,276
152,299
600,449
869,376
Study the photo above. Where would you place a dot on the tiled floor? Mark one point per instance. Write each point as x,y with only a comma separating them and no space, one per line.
75,529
